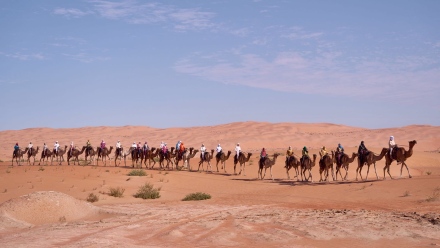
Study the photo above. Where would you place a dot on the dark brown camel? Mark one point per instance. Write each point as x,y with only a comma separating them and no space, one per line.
222,160
208,157
104,155
162,157
91,153
46,155
400,155
181,158
325,164
18,156
242,159
307,164
343,163
33,154
74,154
187,157
292,162
371,158
267,163
119,153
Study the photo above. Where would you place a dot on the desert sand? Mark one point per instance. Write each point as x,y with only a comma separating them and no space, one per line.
45,205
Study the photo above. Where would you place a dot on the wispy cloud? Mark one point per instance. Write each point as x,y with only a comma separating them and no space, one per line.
21,56
323,73
76,13
131,11
85,58
300,33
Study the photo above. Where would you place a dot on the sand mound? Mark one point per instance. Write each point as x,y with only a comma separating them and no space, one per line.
45,207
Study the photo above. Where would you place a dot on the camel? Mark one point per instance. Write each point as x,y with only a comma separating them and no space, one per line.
242,159
371,158
178,159
307,164
222,159
60,154
400,156
166,157
187,157
74,154
34,153
325,164
151,156
46,155
119,153
104,155
92,153
292,162
344,162
267,163
18,155
208,157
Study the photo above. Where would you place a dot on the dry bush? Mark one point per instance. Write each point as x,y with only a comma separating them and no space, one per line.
147,191
116,192
139,172
198,196
92,198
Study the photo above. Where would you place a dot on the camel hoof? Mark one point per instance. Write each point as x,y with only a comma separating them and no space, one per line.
410,176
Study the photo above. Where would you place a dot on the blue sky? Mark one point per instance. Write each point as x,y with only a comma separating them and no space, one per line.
370,64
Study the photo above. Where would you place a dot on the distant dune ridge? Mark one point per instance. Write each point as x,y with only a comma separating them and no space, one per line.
251,136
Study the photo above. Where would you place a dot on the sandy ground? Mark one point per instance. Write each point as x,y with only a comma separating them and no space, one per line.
45,205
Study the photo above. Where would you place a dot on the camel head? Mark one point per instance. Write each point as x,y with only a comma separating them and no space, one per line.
412,143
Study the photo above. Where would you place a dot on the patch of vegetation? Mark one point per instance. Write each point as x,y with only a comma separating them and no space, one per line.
147,191
62,219
198,196
92,198
139,173
428,173
8,171
116,192
107,170
41,169
6,190
406,194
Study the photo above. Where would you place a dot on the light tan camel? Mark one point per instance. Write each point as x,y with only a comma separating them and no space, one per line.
60,154
307,164
104,155
371,158
187,157
343,163
400,156
34,153
74,154
222,160
292,162
18,156
208,157
325,164
46,155
242,159
266,163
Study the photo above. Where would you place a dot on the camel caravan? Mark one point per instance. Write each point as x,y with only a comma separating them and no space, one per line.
333,163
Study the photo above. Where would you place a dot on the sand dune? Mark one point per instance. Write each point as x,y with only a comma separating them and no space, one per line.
37,202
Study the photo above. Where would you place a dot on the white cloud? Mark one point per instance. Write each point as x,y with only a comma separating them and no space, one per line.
322,74
20,56
71,12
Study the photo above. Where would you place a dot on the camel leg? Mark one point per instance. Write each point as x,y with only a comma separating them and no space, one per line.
403,163
244,165
271,173
310,175
287,172
377,177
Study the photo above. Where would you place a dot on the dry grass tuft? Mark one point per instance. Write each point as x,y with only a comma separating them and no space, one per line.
147,191
198,196
116,192
92,198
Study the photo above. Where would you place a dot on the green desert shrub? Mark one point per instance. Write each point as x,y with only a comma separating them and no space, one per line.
140,173
198,196
92,198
